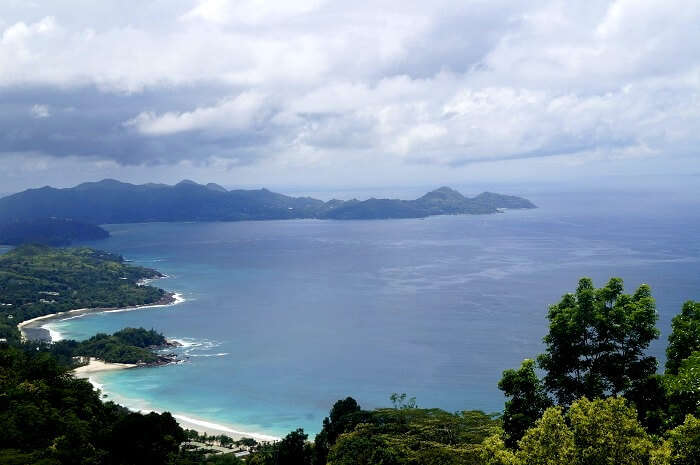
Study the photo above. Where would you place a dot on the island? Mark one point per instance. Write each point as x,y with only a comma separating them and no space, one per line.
110,201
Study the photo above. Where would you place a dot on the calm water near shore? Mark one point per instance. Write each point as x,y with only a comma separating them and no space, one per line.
282,318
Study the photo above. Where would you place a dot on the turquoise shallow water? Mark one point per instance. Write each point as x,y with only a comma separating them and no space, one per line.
284,317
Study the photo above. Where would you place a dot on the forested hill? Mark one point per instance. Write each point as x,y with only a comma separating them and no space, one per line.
49,231
111,201
39,280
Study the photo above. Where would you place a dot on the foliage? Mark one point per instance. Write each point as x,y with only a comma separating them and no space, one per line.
685,336
596,341
549,442
293,449
414,436
342,418
49,417
607,431
683,389
528,401
684,442
598,432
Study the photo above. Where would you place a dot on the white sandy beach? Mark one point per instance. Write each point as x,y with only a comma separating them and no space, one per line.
95,365
177,298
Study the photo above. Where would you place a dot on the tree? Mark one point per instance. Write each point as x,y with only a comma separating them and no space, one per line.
596,341
683,389
293,449
528,401
685,336
495,452
598,432
338,421
549,442
146,439
358,448
685,442
606,431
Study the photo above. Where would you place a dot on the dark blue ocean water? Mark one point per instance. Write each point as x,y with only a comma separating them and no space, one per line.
285,317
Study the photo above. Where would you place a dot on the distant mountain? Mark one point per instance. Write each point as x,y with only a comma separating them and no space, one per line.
110,201
48,231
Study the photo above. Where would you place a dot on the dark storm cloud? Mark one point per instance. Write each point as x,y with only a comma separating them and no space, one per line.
87,122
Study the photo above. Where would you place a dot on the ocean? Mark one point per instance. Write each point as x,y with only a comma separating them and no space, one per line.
282,318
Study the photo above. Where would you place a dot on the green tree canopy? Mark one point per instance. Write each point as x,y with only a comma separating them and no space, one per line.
685,442
685,336
598,432
683,389
528,400
596,341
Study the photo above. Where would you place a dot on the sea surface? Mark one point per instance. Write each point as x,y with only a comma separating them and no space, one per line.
282,318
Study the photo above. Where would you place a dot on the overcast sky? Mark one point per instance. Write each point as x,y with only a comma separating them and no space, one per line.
311,94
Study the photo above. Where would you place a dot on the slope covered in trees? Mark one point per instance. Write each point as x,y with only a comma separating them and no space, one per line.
49,231
38,280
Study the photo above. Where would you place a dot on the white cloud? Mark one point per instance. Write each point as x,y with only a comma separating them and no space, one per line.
313,82
40,111
237,113
250,11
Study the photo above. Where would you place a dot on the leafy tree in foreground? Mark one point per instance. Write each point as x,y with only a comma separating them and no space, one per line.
683,389
293,449
550,442
340,419
528,400
685,442
607,431
598,432
685,336
596,341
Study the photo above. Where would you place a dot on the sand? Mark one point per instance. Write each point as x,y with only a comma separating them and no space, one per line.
96,365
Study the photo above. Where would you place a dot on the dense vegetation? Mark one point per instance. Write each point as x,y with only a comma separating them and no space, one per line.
402,434
49,417
600,400
49,231
110,201
39,280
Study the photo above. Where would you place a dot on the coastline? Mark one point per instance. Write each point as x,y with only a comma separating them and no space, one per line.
41,333
186,421
35,329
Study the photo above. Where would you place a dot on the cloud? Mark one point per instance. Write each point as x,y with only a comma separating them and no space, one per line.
314,84
251,12
40,111
237,113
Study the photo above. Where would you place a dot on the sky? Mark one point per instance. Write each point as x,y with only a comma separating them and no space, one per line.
320,94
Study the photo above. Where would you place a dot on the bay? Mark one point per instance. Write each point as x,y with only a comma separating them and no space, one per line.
282,318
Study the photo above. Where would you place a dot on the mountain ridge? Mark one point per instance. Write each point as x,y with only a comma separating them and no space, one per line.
111,201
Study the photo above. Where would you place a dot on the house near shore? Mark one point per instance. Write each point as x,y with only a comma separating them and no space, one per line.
53,293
